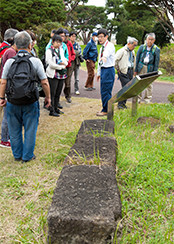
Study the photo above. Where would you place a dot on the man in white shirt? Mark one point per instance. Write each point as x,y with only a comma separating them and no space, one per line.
106,71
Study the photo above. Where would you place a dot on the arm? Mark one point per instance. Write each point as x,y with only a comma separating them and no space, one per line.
73,55
138,59
51,62
86,50
157,59
46,89
66,54
118,57
2,92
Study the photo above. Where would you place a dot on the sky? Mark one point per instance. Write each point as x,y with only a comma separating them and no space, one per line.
99,3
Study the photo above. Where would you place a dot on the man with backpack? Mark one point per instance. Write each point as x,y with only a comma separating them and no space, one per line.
19,79
147,60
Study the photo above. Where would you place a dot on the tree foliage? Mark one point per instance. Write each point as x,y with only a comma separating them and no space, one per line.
86,19
163,10
24,14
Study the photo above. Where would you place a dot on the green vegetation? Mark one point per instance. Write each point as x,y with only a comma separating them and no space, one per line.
144,174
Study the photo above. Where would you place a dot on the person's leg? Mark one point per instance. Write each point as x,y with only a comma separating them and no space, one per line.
67,89
58,92
143,71
76,78
30,115
148,93
91,73
124,79
14,119
53,87
4,127
106,85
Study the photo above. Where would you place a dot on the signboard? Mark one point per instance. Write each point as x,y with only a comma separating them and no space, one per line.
132,89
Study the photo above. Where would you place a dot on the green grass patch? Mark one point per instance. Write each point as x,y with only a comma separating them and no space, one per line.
144,174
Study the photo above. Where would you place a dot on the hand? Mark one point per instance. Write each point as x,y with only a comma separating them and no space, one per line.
3,103
47,102
135,73
98,78
88,60
104,59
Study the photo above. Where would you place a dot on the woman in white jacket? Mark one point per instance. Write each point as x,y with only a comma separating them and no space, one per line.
56,72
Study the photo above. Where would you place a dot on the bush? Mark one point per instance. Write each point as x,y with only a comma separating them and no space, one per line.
171,98
167,59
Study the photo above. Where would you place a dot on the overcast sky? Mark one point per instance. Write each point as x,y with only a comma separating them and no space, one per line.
96,2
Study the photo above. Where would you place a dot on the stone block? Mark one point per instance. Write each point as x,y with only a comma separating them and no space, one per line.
92,149
86,206
96,126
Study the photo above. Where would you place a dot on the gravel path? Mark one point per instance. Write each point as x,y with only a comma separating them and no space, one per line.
160,89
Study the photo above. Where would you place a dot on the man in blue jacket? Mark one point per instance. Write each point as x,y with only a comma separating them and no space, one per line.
147,60
90,54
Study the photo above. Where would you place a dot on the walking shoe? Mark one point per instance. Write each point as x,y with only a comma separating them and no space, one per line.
89,89
59,106
58,111
77,93
68,100
93,88
85,87
101,113
5,144
54,114
121,107
25,161
18,159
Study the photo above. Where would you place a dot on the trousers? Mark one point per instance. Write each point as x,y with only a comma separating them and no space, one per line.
91,73
17,117
106,84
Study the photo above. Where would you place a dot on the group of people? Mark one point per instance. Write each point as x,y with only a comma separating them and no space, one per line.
62,57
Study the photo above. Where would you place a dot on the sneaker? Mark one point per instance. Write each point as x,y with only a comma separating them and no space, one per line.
93,88
5,144
89,89
68,100
77,93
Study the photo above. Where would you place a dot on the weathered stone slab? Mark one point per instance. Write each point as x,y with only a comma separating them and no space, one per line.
97,126
92,149
86,206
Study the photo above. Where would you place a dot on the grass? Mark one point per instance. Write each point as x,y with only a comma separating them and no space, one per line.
144,175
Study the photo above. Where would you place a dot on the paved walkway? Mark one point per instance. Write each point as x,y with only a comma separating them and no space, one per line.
160,89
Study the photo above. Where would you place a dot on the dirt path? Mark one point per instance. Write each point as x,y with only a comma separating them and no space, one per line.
160,89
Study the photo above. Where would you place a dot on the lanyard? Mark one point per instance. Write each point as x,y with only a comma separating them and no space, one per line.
103,48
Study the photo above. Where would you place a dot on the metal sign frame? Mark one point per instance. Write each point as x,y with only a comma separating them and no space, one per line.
132,89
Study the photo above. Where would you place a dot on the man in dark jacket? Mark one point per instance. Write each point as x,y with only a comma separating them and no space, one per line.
90,54
147,60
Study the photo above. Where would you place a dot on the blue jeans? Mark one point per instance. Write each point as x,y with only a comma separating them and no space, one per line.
4,127
17,117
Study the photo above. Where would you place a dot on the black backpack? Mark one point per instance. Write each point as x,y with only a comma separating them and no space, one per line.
21,81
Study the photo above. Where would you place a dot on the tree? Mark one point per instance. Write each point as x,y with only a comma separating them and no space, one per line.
24,14
71,6
163,10
86,19
162,39
128,18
